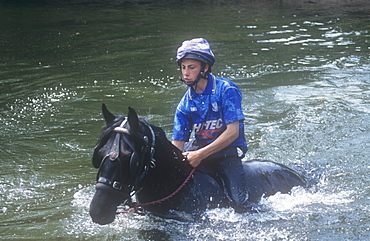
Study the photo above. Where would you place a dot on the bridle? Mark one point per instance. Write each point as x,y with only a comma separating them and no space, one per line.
141,161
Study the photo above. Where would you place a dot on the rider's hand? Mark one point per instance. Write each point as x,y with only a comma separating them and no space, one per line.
193,157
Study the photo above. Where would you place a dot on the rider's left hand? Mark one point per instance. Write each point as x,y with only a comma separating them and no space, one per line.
193,157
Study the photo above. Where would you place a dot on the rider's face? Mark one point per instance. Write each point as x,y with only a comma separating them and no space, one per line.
190,69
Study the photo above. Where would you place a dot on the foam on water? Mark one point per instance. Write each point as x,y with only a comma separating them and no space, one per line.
281,212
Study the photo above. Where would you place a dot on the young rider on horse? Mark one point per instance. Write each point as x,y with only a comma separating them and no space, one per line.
211,107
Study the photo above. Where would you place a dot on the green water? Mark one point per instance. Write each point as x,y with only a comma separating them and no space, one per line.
303,69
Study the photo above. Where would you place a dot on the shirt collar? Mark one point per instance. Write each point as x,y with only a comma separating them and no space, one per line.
210,88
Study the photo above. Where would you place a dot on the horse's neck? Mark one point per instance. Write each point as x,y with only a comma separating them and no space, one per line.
169,156
172,160
170,171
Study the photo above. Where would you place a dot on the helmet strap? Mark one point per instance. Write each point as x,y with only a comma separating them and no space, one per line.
201,75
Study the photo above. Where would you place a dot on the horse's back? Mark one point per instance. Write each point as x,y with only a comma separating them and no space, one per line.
265,178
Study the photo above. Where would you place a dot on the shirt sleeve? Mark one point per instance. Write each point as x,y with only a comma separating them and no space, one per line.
182,126
231,105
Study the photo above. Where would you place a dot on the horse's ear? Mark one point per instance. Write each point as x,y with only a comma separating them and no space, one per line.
108,116
133,119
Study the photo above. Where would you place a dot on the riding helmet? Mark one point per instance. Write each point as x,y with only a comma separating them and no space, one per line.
198,49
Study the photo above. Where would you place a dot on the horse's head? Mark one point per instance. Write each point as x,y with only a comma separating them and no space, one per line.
124,155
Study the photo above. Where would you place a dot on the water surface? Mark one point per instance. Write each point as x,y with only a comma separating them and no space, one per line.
303,69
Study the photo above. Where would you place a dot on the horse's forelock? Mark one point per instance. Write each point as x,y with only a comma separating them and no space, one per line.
107,132
161,139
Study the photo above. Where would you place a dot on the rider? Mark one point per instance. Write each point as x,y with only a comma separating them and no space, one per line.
211,107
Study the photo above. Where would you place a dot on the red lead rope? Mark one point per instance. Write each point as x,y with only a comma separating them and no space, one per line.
137,205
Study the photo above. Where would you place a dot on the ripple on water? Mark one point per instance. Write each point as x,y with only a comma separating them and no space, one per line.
283,218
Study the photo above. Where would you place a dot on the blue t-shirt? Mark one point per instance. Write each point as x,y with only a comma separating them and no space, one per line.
208,113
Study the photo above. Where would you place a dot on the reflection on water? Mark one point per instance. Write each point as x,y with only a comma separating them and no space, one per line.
303,68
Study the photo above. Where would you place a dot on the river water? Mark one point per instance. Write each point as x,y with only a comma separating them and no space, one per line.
303,68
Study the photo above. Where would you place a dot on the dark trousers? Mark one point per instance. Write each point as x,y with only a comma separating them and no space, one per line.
230,170
228,166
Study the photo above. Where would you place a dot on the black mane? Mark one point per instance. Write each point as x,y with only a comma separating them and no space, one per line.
162,143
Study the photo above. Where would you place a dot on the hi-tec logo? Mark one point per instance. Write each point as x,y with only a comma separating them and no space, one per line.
204,129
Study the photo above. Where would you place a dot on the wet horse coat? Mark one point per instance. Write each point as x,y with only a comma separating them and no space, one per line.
135,157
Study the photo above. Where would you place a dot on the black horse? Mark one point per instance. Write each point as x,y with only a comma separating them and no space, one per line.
135,158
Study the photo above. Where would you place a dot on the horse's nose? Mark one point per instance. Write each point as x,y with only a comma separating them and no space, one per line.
100,218
102,208
101,215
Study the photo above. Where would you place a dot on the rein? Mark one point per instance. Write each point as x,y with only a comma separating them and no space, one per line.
137,205
135,165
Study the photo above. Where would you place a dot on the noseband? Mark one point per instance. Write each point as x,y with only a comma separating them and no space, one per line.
140,162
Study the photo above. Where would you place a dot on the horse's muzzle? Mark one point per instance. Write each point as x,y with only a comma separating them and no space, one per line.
104,204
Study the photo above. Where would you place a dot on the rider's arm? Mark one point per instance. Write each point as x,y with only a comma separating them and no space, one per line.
179,144
226,138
